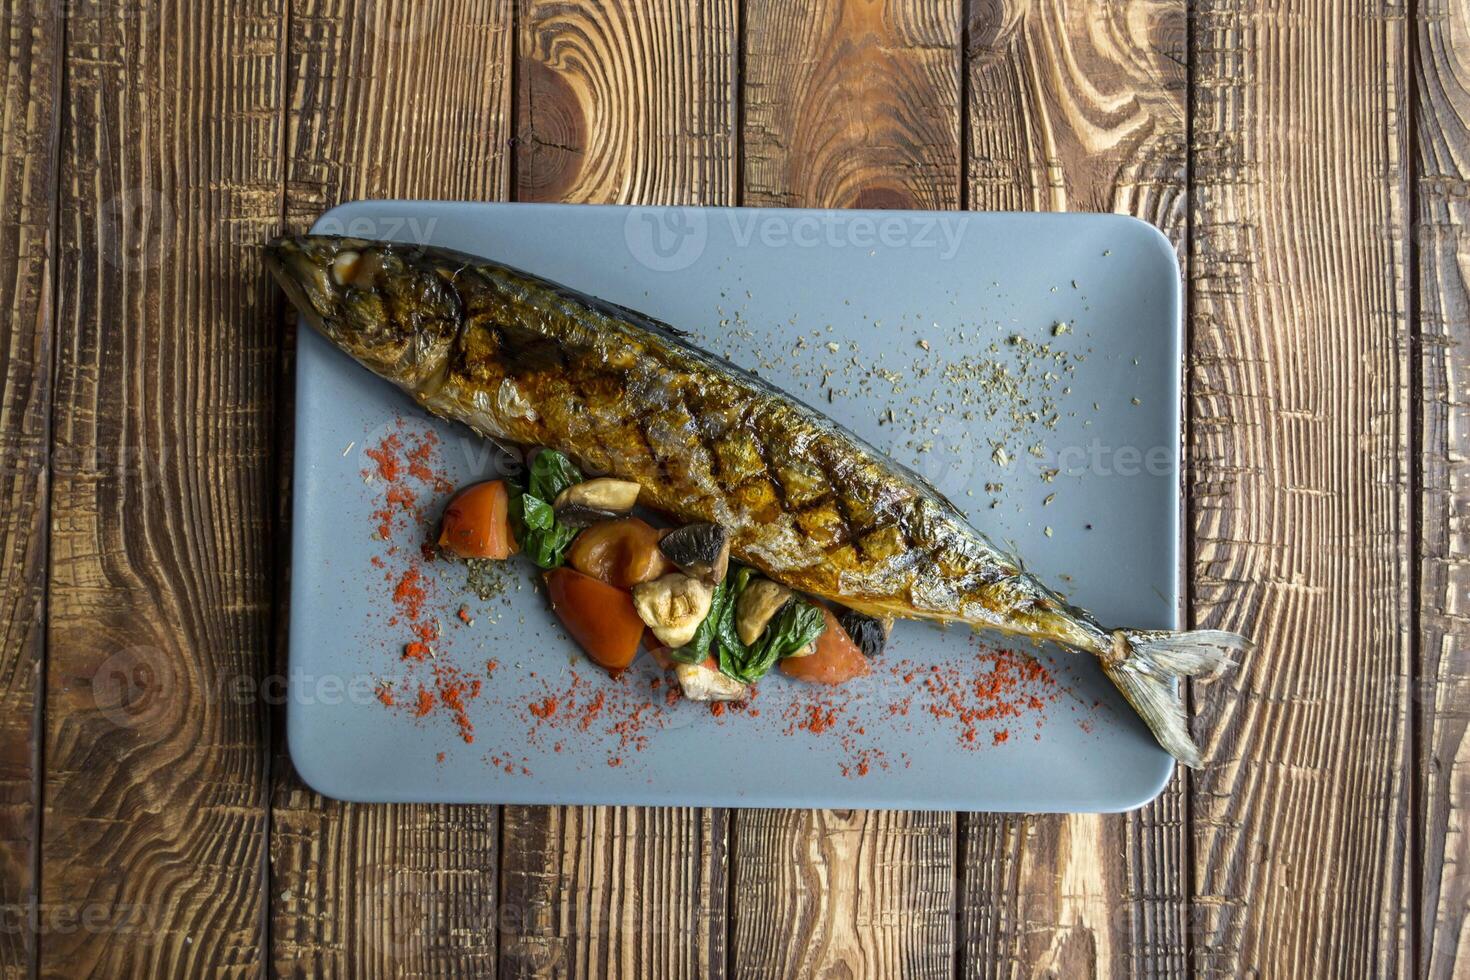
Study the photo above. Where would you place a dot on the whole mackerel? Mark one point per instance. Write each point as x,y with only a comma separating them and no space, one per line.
520,359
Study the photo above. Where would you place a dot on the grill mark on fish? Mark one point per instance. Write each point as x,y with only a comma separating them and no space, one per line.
771,476
701,453
637,426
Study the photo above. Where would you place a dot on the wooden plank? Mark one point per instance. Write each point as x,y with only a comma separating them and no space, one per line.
1078,107
387,101
849,893
1443,237
848,105
613,891
620,105
1300,380
852,105
30,85
159,606
618,111
627,106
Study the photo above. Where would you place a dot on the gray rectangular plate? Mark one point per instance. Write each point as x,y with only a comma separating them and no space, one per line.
793,294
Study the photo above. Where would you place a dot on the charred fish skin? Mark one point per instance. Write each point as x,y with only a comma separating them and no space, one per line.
524,360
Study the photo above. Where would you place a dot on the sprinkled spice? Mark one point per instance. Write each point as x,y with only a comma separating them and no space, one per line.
385,455
454,692
403,473
409,594
967,697
487,578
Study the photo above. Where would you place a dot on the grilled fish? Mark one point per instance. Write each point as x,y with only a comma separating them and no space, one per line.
523,360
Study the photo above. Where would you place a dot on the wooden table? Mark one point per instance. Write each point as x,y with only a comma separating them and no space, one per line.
1309,160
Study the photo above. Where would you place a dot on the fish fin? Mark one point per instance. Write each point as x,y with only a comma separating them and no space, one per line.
1145,665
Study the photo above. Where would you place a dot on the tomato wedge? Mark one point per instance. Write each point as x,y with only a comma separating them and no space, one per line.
622,552
836,660
599,617
476,522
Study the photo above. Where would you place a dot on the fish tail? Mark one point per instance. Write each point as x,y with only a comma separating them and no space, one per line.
1145,665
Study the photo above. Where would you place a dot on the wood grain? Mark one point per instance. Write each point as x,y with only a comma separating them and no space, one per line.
387,101
631,105
1077,106
852,104
159,605
1300,510
848,105
626,104
30,84
613,891
844,893
1443,238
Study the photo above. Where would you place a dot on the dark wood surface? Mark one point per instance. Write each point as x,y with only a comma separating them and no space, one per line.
1309,162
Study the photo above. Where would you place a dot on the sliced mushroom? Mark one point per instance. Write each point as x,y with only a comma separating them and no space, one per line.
575,515
590,501
702,684
868,632
760,601
701,550
673,606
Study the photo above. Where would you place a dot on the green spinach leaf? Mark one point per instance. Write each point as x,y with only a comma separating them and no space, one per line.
551,473
793,627
537,513
798,623
542,537
697,649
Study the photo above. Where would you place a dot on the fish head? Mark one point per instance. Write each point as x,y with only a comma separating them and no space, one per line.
390,306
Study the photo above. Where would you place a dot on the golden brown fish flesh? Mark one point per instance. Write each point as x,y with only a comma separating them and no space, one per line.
520,359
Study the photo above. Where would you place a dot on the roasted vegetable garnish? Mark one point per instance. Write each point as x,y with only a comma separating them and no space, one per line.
599,617
758,605
701,683
795,627
836,659
592,500
869,632
702,550
810,505
544,538
673,606
476,522
622,552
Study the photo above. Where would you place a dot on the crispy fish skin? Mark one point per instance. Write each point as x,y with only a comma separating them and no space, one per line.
524,360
